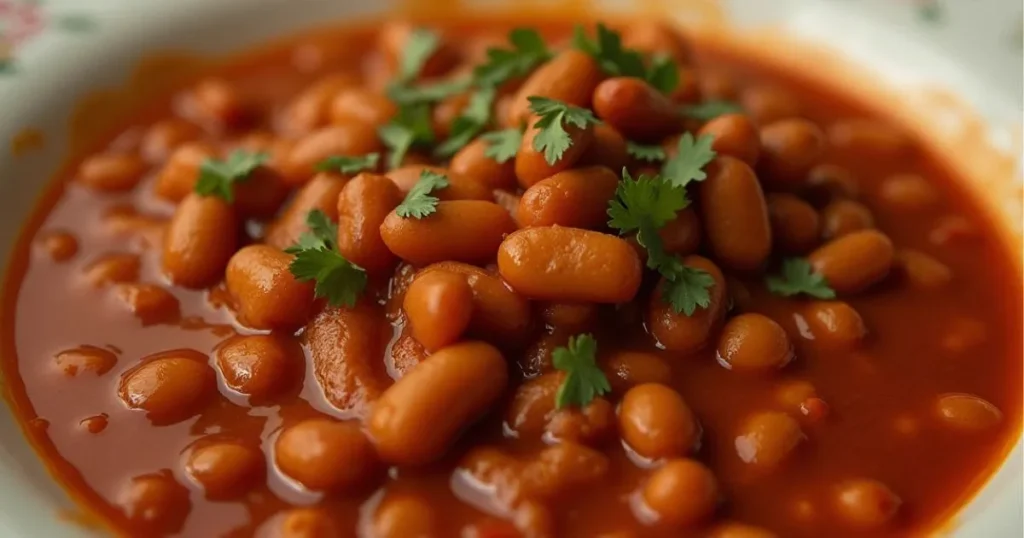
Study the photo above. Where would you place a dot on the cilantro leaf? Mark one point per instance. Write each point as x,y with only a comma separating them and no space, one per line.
317,258
503,145
217,178
410,127
473,119
709,110
528,51
644,199
617,61
552,138
687,289
583,381
322,233
663,74
404,94
799,277
646,153
349,165
690,159
420,46
418,203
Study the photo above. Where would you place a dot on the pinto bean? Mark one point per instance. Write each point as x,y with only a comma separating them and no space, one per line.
636,109
678,332
735,214
464,230
855,261
576,198
202,236
570,77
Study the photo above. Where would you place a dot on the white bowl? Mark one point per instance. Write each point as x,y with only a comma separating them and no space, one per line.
969,50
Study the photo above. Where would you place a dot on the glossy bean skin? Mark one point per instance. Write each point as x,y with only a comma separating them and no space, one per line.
199,241
682,235
154,504
678,332
627,369
459,187
561,264
608,149
570,77
354,104
325,455
499,314
169,388
866,503
111,172
321,193
789,149
463,230
844,216
439,306
178,175
576,198
735,215
834,324
735,135
794,223
259,366
855,261
225,469
767,438
532,166
464,380
363,204
472,163
967,413
149,303
681,493
264,290
754,343
636,109
656,423
767,104
353,138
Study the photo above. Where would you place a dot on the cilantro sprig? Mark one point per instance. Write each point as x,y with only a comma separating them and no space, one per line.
583,381
503,145
473,119
646,153
552,139
218,177
419,203
615,60
527,52
348,164
411,127
422,43
317,259
709,110
431,92
692,155
798,277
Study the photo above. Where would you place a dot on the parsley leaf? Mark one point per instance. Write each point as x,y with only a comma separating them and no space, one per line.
690,159
583,381
410,127
473,119
552,138
709,110
646,153
503,145
421,44
404,94
686,288
528,51
349,165
418,203
617,61
317,258
217,178
799,277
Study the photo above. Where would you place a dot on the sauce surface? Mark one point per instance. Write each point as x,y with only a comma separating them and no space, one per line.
942,328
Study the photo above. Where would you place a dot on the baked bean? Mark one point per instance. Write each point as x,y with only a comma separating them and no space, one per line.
459,187
499,314
345,347
155,503
681,235
921,270
321,193
551,263
536,359
394,37
111,172
869,138
716,85
471,163
355,104
169,388
576,317
827,182
126,223
608,149
311,108
305,523
177,177
406,353
462,230
754,343
216,102
570,77
265,291
352,138
636,109
766,104
199,241
532,166
681,493
963,334
735,135
149,303
562,468
164,137
967,412
439,306
834,324
793,394
534,520
735,215
952,229
908,192
403,516
590,425
740,530
576,198
794,223
687,92
446,111
91,359
627,369
510,202
845,216
654,38
679,332
225,469
94,424
59,246
789,149
261,194
464,380
363,204
113,269
855,261
259,365
656,423
866,503
767,438
326,455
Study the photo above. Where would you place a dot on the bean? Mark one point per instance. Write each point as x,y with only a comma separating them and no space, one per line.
827,182
532,414
403,516
636,109
869,138
740,530
264,290
627,369
680,494
439,306
459,187
591,425
326,455
363,204
561,468
60,246
111,172
789,149
608,149
951,230
735,215
735,135
793,394
576,317
536,359
464,230
963,334
866,503
154,504
794,223
499,314
656,38
95,424
656,423
510,202
678,332
767,438
259,366
149,303
471,162
311,108
304,523
169,388
967,412
908,193
576,198
834,324
321,193
216,102
165,136
177,178
754,343
353,138
225,470
570,77
126,223
717,86
355,104
393,39
464,380
261,194
766,104
531,164
922,270
855,261
681,235
845,216
200,239
569,264
91,359
113,269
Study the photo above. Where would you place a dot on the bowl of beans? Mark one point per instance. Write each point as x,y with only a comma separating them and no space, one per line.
327,269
